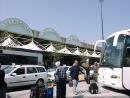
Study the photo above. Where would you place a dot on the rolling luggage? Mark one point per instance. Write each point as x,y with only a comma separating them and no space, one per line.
93,88
49,89
37,92
49,93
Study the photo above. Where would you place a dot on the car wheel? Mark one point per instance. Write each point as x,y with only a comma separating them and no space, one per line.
40,82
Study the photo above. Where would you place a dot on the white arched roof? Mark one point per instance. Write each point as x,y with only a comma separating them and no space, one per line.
86,53
64,50
31,46
9,43
51,48
95,55
77,52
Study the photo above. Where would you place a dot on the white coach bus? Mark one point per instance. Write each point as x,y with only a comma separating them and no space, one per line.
114,69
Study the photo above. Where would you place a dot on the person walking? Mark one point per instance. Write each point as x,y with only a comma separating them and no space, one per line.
87,75
96,67
3,84
74,73
60,77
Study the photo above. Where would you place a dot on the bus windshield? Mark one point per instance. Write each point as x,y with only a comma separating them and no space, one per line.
113,55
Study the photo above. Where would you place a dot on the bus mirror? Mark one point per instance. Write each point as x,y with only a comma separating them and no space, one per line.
97,42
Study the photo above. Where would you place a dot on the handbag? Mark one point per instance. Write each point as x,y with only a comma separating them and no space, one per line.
81,77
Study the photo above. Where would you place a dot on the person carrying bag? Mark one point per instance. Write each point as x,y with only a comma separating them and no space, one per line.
74,73
3,85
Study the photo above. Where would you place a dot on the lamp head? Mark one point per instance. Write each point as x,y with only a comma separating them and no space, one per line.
101,1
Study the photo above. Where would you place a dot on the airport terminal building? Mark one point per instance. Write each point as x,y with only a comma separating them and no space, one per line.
21,44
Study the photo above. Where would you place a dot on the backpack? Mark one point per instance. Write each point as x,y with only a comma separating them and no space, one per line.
93,88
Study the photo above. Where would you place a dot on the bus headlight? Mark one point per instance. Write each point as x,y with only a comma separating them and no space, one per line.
115,77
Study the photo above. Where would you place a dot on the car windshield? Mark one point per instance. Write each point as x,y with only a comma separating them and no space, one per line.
4,66
111,52
8,69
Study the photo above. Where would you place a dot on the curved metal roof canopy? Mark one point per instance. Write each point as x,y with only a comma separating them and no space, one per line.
15,25
50,34
72,39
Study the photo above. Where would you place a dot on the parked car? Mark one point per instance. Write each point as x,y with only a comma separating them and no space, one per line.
67,68
23,75
51,72
81,75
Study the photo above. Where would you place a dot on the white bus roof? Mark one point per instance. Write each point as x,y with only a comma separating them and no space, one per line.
125,32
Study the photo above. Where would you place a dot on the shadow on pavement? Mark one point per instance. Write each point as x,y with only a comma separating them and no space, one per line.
78,96
127,92
18,89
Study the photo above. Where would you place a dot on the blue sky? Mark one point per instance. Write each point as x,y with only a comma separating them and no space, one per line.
78,17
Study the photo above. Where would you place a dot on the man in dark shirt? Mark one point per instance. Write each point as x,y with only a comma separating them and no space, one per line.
74,73
60,77
2,84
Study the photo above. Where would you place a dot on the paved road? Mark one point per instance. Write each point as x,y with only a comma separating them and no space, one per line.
104,92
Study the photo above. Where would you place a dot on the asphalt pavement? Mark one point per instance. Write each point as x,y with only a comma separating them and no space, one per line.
104,92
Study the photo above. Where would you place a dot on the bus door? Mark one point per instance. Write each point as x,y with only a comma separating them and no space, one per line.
126,70
126,77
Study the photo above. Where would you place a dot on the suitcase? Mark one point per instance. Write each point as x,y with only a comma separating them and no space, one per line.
49,93
37,92
93,88
33,92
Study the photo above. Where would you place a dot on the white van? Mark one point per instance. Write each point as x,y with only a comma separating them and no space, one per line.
23,75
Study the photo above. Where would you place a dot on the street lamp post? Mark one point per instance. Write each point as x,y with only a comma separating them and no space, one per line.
101,1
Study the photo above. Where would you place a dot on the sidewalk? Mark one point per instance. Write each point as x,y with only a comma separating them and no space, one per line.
82,87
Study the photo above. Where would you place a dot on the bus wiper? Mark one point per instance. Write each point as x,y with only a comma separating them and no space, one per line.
110,66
